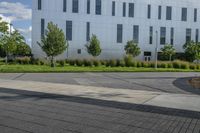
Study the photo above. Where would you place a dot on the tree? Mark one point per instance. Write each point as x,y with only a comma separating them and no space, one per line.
168,50
53,43
93,48
132,48
23,49
192,51
3,26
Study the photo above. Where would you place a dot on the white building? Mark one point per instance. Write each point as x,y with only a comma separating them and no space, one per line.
117,21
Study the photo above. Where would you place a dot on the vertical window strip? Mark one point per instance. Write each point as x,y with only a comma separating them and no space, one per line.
88,6
113,8
149,12
88,31
119,33
124,9
69,30
136,33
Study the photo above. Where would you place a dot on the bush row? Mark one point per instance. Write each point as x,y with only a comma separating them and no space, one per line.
126,62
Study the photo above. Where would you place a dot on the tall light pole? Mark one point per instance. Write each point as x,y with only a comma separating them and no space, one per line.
10,30
156,51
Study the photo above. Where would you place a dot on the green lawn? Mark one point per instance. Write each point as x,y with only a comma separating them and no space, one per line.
44,69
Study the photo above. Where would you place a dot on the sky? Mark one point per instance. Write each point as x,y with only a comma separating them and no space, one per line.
18,13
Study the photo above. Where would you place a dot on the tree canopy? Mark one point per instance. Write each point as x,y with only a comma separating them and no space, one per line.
168,51
3,26
93,47
132,48
192,51
53,43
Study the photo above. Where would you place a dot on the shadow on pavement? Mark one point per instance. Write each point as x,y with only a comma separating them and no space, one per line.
23,95
183,84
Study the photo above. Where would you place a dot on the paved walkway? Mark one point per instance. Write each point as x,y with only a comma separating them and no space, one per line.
43,107
159,82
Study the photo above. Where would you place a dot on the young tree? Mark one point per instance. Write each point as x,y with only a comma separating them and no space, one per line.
168,50
192,51
132,48
3,26
53,43
93,48
23,49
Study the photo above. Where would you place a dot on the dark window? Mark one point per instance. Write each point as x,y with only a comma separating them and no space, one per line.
88,31
188,35
69,30
113,8
79,51
147,53
42,27
151,35
119,33
163,35
124,9
195,15
75,6
131,10
64,5
149,12
98,7
39,4
184,14
88,6
169,13
159,12
172,36
197,35
136,33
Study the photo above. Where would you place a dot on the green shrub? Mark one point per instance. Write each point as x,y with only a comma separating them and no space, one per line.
96,63
146,64
128,60
139,64
122,63
163,65
103,62
79,62
35,61
192,66
113,63
185,65
61,63
72,62
23,60
170,65
42,62
177,64
198,66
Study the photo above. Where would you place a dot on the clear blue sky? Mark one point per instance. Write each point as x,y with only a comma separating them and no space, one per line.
19,13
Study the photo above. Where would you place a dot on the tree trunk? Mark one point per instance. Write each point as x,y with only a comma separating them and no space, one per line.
170,57
52,62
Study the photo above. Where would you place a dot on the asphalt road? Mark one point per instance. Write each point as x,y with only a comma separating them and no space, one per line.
30,112
161,82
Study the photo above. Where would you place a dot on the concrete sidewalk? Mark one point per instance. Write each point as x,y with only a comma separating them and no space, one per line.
177,101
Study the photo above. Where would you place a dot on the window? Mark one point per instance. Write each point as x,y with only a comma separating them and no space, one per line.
172,36
113,8
119,33
75,6
147,56
42,27
39,4
163,35
88,31
159,12
151,35
169,13
195,15
88,6
136,33
188,35
131,10
124,9
98,7
79,51
197,35
149,12
64,5
184,14
69,30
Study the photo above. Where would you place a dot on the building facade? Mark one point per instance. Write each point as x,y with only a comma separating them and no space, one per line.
114,22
